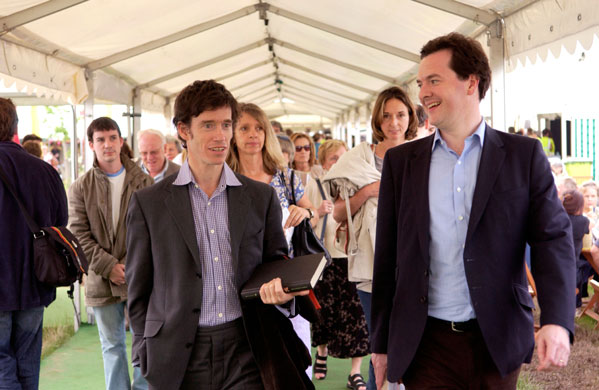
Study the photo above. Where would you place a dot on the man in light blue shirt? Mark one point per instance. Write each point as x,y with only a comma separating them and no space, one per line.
450,303
451,188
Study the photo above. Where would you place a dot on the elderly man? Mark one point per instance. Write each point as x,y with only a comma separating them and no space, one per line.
152,149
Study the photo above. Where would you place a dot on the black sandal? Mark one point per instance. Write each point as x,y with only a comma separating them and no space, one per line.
356,382
320,368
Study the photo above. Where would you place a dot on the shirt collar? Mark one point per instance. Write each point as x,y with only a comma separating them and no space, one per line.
145,170
479,134
185,177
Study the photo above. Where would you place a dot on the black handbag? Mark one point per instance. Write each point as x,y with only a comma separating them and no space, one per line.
57,256
304,240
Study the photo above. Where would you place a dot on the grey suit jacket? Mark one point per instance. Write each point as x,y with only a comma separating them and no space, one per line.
164,269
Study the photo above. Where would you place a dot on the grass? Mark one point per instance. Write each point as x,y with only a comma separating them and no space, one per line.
58,322
525,383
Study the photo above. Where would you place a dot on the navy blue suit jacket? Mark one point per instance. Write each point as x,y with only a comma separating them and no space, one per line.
515,201
42,192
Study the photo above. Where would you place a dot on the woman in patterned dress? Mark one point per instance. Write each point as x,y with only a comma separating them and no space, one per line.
342,331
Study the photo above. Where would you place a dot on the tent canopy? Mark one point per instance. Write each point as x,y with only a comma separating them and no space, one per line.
291,57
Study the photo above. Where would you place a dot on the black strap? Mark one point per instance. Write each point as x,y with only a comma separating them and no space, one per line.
30,222
324,197
293,187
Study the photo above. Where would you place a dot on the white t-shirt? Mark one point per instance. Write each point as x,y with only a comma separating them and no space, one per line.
117,180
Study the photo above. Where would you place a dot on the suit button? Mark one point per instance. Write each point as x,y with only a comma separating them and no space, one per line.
198,275
188,345
196,310
423,299
426,273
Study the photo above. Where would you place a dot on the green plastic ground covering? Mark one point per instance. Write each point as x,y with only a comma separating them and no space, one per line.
78,363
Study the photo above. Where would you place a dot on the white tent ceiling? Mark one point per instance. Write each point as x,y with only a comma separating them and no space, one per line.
327,57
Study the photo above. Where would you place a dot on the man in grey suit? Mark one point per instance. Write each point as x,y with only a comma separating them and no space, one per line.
152,151
193,240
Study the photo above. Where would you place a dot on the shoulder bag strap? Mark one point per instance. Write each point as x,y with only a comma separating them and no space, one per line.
292,179
324,221
30,222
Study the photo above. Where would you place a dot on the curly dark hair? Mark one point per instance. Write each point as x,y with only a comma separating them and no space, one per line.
467,58
200,96
8,119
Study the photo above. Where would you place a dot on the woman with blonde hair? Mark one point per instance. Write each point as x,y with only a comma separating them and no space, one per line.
304,161
354,184
255,152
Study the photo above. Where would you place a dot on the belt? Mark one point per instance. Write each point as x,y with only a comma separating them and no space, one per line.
466,326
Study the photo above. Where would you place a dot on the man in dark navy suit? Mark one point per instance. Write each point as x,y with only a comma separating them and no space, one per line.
450,304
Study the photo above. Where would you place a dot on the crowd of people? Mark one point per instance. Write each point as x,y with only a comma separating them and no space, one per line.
426,227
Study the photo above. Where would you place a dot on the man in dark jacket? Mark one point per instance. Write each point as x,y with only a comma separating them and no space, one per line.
193,240
23,297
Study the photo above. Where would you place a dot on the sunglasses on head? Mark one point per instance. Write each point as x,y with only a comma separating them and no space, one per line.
305,147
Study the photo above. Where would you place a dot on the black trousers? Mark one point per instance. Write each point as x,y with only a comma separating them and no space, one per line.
221,359
447,359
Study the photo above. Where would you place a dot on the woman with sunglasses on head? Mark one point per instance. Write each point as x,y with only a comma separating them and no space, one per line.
304,161
255,152
354,183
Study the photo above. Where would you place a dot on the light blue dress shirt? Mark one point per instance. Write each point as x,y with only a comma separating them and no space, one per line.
451,187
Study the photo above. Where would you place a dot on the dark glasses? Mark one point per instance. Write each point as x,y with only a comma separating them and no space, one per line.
305,147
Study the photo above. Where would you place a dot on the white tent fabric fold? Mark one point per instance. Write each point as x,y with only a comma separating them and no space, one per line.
547,26
331,58
41,75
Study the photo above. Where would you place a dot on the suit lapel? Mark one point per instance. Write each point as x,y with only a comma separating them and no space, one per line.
419,164
178,204
238,209
491,161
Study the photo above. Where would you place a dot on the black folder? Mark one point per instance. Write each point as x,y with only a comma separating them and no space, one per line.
298,273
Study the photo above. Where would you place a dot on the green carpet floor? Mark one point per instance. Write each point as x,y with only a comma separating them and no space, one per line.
78,363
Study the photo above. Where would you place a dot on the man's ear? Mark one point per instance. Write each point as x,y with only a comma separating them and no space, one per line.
184,131
472,84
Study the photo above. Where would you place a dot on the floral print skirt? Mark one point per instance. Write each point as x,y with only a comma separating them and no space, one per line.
343,325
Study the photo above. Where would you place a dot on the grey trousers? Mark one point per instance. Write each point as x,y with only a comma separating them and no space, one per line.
221,359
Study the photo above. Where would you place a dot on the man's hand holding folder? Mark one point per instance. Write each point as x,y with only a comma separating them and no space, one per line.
272,293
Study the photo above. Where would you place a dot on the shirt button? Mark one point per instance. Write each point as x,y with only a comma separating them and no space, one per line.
211,231
460,218
209,203
459,162
459,189
220,315
220,287
216,259
197,186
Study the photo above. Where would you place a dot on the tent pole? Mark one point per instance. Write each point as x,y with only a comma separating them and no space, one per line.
496,42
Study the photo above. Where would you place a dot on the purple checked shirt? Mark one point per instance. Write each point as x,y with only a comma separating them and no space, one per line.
220,299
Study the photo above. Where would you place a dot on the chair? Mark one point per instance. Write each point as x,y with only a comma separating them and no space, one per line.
589,308
587,255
